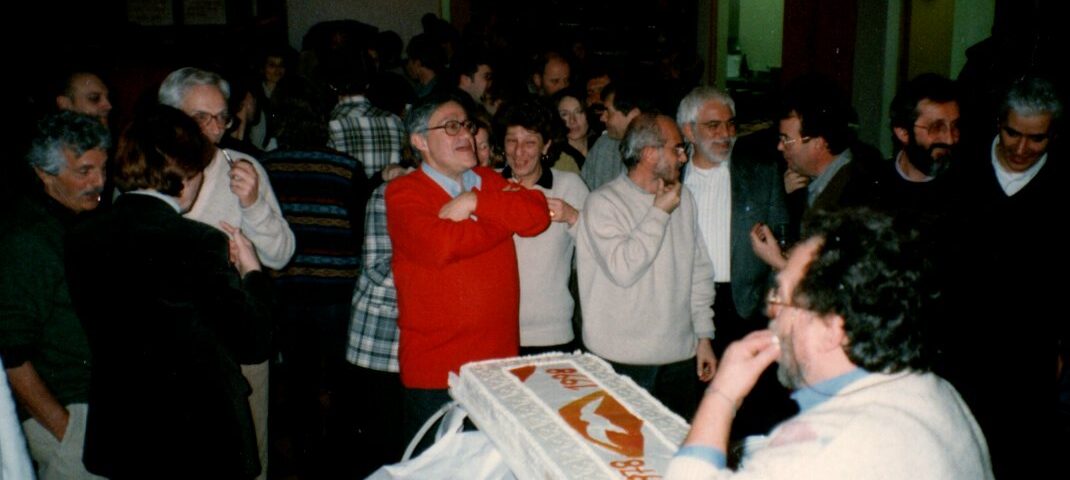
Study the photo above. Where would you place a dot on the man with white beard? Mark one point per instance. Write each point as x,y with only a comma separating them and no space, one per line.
734,194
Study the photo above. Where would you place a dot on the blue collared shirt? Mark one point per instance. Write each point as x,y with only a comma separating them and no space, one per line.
813,395
469,179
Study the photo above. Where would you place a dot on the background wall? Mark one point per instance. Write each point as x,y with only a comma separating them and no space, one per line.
761,29
876,72
973,23
931,24
402,17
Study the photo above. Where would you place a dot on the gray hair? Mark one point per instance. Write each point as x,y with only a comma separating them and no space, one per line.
174,88
419,118
65,131
1030,96
690,105
643,131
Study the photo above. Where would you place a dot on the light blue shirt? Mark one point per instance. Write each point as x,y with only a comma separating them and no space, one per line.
469,179
811,396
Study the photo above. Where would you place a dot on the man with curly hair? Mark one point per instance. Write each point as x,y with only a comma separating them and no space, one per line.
847,335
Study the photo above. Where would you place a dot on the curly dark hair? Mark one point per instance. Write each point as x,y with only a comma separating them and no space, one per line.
534,114
927,86
871,273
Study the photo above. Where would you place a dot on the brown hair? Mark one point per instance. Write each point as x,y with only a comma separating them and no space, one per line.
159,150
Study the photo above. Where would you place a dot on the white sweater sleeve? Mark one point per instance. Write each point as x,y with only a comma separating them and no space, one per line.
624,253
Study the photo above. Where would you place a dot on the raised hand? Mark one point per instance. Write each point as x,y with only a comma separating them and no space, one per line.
561,211
766,246
794,181
743,362
244,182
667,197
242,252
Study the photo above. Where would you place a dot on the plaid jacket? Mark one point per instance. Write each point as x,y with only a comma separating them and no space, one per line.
369,134
373,323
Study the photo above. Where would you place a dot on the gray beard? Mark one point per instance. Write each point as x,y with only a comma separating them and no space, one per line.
713,157
788,372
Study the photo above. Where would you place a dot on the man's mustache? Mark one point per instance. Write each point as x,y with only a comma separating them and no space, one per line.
936,146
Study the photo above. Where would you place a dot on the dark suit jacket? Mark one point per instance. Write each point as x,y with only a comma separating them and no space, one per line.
168,321
856,184
757,196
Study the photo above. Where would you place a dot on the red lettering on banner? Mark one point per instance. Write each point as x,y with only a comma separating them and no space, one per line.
571,379
632,469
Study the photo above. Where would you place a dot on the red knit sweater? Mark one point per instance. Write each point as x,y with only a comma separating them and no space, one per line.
457,282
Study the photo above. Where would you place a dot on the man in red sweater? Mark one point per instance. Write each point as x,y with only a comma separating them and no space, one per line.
451,225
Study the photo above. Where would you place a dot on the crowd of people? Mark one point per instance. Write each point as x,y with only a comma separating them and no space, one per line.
328,241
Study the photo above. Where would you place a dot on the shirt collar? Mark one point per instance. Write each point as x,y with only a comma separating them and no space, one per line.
902,174
153,193
818,184
353,99
546,180
469,180
813,395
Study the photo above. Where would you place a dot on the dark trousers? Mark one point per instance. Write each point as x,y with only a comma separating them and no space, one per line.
419,405
305,378
371,403
674,384
564,348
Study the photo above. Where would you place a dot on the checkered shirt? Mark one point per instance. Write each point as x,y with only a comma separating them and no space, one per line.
373,323
369,134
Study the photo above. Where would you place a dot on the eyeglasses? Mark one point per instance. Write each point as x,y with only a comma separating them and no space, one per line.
715,125
223,119
788,141
773,303
679,149
939,128
453,127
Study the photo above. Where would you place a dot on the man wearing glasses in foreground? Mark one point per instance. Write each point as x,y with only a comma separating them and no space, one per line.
845,327
451,224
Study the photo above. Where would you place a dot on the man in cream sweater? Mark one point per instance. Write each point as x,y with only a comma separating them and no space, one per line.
847,337
646,281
